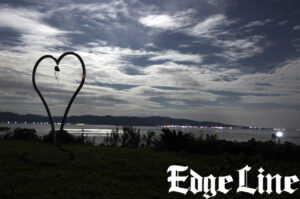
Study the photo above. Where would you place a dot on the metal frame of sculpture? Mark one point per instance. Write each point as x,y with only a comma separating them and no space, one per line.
57,61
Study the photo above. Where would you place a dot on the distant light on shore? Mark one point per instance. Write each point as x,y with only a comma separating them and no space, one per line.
279,134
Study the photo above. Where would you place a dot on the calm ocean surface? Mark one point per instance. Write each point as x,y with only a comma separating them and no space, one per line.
98,132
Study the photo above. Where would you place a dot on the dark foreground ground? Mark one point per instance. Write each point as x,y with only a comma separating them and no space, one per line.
40,170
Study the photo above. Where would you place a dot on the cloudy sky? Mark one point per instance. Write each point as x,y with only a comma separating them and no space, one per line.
236,62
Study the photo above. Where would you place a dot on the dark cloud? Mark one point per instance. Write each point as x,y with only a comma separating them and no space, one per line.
114,86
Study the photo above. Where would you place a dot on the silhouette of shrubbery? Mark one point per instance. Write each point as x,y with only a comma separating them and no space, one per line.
172,140
179,141
65,138
4,128
131,137
21,134
31,135
147,139
113,138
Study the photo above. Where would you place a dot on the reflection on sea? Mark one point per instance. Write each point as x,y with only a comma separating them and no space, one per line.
98,132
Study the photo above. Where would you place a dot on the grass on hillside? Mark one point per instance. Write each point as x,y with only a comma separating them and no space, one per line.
40,170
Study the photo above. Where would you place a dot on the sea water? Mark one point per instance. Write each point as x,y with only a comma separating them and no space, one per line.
98,132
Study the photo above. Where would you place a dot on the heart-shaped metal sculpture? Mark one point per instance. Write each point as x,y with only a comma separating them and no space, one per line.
71,100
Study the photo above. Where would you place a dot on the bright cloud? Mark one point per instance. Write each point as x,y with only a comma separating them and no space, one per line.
176,56
168,22
208,26
26,21
203,61
257,23
160,21
240,48
296,27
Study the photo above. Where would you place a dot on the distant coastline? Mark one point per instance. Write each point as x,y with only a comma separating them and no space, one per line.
117,120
